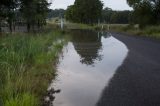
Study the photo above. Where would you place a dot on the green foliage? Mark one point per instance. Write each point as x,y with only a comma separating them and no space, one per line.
116,17
146,12
70,13
26,99
56,13
7,8
25,60
34,12
148,31
85,11
31,12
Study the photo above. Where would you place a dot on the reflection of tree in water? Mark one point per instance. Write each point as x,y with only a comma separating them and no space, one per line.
87,44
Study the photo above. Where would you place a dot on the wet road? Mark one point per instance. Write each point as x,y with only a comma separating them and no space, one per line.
137,81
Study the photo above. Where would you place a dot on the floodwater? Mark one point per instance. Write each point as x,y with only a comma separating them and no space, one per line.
86,66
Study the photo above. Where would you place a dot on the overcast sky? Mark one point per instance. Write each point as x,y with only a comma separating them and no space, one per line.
114,4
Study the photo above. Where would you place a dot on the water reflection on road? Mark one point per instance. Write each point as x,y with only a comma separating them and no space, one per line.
88,62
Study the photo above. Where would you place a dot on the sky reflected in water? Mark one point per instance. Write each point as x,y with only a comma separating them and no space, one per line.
88,62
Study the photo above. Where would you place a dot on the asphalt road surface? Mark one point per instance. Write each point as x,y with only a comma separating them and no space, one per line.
137,81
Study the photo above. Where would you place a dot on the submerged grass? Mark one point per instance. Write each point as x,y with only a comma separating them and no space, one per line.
79,26
26,66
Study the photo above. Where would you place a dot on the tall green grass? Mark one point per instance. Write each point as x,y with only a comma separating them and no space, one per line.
26,66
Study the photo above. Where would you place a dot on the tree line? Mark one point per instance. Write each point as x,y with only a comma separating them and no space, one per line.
107,16
56,13
91,12
28,12
145,12
116,17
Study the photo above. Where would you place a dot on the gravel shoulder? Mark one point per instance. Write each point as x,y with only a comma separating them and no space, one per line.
137,81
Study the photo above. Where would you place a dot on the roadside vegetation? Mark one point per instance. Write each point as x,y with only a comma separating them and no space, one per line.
133,30
148,31
27,60
27,65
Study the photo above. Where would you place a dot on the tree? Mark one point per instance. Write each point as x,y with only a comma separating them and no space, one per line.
85,11
70,14
157,10
34,12
146,11
56,13
41,12
106,14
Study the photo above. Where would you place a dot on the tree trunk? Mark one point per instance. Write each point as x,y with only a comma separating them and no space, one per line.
38,24
10,26
0,26
14,26
28,26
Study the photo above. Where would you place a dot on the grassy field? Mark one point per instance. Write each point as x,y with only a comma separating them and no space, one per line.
148,31
27,66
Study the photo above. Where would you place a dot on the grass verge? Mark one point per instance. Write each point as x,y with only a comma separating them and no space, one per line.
27,66
148,31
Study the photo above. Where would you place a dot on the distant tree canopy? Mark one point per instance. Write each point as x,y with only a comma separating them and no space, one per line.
56,13
32,12
116,17
84,11
146,11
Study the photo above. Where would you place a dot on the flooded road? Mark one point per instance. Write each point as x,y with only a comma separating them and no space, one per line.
86,66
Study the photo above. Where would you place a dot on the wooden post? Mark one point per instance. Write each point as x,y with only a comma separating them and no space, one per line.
62,24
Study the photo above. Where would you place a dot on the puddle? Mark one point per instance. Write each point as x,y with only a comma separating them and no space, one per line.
88,62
